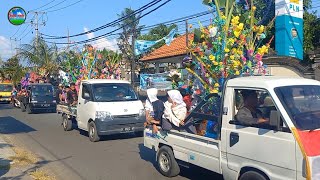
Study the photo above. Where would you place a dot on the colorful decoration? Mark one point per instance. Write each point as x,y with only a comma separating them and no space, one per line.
230,45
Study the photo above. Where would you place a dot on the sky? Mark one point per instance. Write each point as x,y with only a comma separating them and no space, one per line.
83,16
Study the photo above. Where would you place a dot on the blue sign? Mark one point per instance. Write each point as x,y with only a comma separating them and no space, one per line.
289,28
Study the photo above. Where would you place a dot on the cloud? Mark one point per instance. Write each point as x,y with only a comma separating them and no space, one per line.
5,48
101,43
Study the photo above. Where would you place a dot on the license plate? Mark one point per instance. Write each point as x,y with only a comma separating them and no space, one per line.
45,105
127,129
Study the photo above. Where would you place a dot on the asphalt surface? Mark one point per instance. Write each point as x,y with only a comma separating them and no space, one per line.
70,155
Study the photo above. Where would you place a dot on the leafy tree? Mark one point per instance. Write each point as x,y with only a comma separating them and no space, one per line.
130,28
157,33
13,70
40,55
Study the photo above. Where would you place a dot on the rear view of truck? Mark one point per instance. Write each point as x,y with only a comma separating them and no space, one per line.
5,92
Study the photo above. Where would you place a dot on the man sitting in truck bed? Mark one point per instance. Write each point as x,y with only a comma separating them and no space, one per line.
249,114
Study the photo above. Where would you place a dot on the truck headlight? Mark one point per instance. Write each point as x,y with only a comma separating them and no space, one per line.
54,101
142,112
34,101
103,115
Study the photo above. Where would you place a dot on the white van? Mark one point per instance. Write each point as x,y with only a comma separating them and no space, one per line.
285,148
105,107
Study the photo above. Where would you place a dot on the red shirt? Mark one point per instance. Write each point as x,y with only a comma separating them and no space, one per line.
188,101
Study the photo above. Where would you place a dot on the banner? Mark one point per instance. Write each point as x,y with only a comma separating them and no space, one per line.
141,46
158,81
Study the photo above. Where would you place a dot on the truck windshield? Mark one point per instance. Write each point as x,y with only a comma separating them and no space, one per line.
6,87
113,92
303,105
42,90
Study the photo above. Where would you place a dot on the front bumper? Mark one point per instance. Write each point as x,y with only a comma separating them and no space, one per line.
5,99
43,106
120,125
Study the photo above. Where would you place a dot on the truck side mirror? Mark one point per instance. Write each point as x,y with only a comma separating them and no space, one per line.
275,119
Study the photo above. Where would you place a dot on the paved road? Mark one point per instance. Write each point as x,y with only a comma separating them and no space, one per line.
72,156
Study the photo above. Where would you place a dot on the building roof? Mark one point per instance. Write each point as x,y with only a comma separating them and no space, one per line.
177,47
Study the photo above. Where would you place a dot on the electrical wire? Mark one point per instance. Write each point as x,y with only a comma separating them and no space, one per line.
54,5
65,6
105,35
113,23
43,5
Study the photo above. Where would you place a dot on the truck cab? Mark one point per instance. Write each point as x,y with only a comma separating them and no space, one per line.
5,92
105,107
284,147
39,98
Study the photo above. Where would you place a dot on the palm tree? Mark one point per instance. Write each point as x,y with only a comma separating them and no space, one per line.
40,55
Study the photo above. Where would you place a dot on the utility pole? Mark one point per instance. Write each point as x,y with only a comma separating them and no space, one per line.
68,40
133,60
187,34
36,23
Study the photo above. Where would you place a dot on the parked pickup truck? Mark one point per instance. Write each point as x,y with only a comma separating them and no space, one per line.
39,98
105,107
285,147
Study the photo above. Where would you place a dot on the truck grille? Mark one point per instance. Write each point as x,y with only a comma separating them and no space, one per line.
127,116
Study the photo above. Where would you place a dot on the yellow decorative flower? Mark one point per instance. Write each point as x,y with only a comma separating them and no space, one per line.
254,8
232,57
216,85
226,50
240,26
240,52
214,91
220,63
261,29
223,17
202,35
215,63
262,50
236,33
212,57
233,50
237,73
235,20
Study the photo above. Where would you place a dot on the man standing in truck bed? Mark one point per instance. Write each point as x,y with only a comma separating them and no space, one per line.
72,95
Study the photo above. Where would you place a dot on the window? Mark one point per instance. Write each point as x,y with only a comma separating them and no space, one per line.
85,89
254,108
206,117
111,92
302,102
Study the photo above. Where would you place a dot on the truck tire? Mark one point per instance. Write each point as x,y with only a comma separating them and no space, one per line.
66,123
29,111
167,163
23,107
92,132
252,175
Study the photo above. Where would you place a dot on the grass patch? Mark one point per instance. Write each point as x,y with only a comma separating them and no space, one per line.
23,157
40,175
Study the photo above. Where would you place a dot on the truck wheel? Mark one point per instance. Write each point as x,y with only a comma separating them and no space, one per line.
23,107
167,163
92,132
252,175
29,111
66,123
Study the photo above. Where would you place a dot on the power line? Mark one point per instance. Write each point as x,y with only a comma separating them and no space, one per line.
54,5
43,5
106,34
65,6
113,23
16,32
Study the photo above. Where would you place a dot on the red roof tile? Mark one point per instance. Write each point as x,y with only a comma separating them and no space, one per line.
177,47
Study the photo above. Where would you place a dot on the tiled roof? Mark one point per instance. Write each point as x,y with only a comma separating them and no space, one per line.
177,47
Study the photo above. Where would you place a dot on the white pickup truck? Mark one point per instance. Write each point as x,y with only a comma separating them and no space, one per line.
286,147
104,107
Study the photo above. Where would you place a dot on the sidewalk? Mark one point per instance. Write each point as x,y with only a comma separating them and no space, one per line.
17,163
8,170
